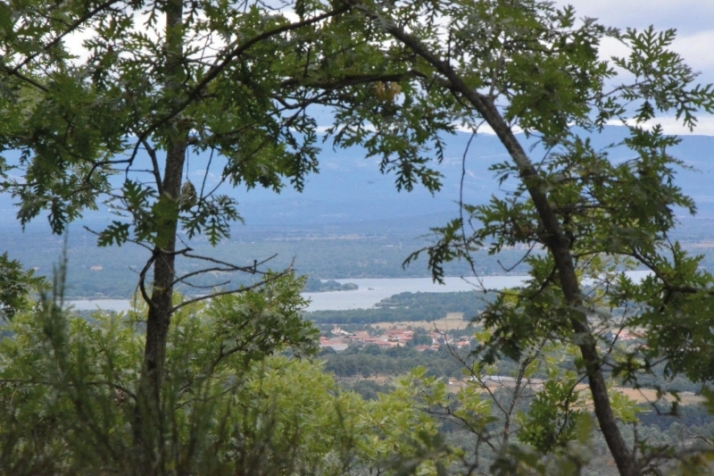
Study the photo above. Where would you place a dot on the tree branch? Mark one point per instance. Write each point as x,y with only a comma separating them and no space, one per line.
552,236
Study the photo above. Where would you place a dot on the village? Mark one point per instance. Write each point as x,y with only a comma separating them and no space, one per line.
339,339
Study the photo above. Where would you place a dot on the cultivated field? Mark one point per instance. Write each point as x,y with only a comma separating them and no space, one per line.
453,320
644,395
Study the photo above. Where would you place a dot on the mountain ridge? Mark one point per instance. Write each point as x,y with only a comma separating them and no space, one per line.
350,189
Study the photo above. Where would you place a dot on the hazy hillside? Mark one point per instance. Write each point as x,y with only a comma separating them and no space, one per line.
349,221
350,189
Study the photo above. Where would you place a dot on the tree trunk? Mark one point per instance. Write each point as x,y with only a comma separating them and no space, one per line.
559,246
159,318
149,422
160,305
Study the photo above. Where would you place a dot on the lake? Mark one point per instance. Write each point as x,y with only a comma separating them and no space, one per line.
370,292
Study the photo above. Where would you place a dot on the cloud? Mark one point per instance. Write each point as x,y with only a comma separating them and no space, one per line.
697,49
691,19
684,15
673,126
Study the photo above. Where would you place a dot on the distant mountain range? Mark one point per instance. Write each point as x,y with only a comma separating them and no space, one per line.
350,195
349,222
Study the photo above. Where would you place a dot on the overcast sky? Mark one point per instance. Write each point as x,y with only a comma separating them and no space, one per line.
693,20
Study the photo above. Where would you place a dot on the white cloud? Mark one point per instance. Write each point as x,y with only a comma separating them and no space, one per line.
670,125
696,49
673,126
682,14
691,19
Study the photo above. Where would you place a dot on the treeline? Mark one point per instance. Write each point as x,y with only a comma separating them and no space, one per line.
372,361
658,377
657,420
408,307
685,415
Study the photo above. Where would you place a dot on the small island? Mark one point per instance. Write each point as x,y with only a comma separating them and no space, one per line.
314,285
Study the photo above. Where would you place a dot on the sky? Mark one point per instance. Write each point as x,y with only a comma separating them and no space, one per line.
693,20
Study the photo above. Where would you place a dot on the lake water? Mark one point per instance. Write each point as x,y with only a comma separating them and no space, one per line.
370,291
104,304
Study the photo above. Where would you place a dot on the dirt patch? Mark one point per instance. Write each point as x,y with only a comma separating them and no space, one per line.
452,321
647,395
644,395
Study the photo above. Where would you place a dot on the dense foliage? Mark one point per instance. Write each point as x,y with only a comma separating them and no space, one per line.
16,285
238,397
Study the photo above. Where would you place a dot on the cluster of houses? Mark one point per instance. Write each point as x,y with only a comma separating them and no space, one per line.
341,339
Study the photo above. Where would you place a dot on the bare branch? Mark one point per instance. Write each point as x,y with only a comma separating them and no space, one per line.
241,289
